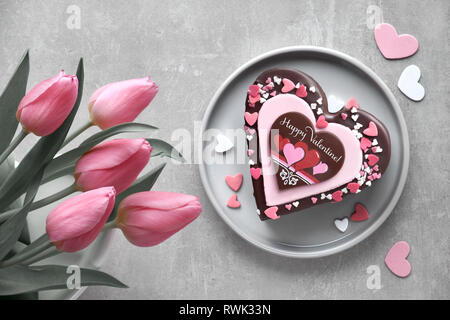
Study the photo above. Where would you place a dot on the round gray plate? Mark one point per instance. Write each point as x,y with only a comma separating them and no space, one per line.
311,232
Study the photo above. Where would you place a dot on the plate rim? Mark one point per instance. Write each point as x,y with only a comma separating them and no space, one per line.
404,134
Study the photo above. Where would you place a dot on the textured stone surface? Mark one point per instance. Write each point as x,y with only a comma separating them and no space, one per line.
189,48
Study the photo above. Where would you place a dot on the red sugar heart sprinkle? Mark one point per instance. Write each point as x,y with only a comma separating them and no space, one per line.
321,122
337,196
373,159
301,92
360,214
353,187
253,90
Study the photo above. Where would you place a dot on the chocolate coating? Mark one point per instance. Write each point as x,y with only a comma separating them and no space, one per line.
313,96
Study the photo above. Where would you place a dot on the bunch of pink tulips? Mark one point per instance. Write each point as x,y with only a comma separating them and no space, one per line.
103,173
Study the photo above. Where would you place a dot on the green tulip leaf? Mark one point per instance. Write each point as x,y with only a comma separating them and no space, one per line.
145,183
19,279
10,99
163,149
59,166
40,155
12,228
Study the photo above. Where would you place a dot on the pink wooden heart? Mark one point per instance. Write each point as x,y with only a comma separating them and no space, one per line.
292,153
392,45
396,259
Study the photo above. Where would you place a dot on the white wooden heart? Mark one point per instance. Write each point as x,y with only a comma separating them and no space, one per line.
408,83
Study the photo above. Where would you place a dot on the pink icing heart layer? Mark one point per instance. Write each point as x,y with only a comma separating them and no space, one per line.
269,112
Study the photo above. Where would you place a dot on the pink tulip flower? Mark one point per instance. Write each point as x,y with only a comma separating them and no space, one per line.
121,102
45,107
76,222
114,163
148,218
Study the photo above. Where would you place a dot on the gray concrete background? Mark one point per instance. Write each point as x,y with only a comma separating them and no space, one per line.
189,48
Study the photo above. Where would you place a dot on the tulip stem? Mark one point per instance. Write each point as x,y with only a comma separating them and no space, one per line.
76,133
41,203
39,247
14,143
109,225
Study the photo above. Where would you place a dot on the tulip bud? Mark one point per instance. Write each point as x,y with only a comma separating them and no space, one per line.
121,102
45,107
76,222
148,218
114,163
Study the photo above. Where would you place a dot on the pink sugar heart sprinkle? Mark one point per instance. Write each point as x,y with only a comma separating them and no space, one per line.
288,85
255,172
234,182
365,144
314,200
251,117
344,116
233,202
371,130
272,213
288,206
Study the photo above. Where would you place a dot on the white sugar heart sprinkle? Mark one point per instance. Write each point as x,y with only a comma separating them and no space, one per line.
357,126
378,150
251,162
258,212
261,91
265,95
366,156
297,85
313,106
354,110
262,100
341,224
260,85
375,142
312,89
358,191
223,143
319,111
335,104
249,137
329,196
319,101
295,203
355,117
277,80
409,85
369,183
344,190
322,196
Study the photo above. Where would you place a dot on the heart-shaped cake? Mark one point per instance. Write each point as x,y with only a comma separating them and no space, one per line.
300,153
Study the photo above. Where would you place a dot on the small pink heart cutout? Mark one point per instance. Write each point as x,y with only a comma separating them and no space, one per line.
293,154
396,259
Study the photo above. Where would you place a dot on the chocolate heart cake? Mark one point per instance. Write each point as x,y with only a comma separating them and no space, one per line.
301,154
